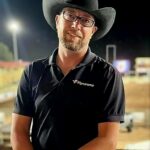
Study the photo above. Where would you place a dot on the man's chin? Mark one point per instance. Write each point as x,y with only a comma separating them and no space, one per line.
72,46
73,41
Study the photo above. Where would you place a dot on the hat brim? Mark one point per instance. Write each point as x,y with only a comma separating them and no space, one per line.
104,17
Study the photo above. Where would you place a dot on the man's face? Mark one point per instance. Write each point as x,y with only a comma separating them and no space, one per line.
75,28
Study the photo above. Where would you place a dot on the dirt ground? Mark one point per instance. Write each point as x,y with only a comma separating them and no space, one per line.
137,100
137,96
137,135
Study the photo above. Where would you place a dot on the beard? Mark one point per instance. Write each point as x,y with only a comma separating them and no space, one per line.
72,43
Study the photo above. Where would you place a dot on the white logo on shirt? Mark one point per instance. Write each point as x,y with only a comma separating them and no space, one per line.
82,83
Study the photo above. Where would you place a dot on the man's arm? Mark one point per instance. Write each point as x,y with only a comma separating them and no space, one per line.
20,132
107,137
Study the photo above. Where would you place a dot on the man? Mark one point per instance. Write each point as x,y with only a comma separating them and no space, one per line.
75,98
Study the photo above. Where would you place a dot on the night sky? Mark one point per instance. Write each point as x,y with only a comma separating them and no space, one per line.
130,33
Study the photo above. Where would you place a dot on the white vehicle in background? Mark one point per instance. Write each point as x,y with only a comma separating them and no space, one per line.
128,122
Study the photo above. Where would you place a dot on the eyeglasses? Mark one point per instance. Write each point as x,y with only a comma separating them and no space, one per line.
86,22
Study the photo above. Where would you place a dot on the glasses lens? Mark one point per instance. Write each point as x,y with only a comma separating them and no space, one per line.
68,16
87,22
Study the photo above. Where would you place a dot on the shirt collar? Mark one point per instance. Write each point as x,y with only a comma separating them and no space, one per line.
52,58
87,59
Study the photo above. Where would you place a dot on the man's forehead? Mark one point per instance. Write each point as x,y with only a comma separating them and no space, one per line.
75,10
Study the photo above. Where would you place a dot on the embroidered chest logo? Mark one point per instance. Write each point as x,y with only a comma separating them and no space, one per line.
83,83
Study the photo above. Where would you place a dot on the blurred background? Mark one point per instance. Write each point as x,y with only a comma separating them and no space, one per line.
25,36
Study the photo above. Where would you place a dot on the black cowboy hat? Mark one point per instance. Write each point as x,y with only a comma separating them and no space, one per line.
104,16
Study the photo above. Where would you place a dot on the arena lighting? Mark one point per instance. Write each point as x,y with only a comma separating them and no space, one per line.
123,66
14,26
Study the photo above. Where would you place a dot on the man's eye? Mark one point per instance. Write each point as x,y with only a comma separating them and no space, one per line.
85,20
71,16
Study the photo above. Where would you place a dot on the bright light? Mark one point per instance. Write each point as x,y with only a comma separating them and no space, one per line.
123,66
14,26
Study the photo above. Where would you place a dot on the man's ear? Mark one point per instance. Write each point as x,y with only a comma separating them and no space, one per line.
56,19
95,28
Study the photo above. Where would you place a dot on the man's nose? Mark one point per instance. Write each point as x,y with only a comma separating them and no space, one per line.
76,24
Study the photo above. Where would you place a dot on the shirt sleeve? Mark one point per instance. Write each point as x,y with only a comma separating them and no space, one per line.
24,103
113,102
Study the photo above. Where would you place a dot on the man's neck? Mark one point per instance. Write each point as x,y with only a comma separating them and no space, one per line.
68,60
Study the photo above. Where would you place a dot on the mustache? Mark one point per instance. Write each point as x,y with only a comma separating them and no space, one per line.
75,32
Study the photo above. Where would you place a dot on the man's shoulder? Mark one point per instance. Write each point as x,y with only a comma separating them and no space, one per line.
102,67
103,64
42,61
36,66
38,63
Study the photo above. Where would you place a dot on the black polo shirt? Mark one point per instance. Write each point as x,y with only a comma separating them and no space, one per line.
67,109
